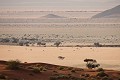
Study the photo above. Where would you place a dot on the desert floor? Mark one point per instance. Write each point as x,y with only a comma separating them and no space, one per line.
108,57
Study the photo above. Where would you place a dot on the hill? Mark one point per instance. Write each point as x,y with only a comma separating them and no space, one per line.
111,13
52,16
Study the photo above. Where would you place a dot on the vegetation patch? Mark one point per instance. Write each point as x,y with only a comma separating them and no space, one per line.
100,69
13,64
61,68
102,74
2,76
36,70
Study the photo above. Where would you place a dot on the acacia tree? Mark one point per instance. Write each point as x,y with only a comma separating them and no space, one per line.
57,43
39,43
91,63
97,44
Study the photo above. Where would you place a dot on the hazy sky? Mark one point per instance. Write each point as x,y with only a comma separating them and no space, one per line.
62,4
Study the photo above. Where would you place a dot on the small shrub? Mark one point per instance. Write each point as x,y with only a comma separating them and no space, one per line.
70,68
81,79
69,74
31,74
13,64
97,44
102,74
30,67
36,70
61,67
27,44
56,74
5,40
57,43
106,78
118,78
73,71
55,71
15,40
75,78
44,69
2,76
80,69
21,44
41,68
37,65
86,75
25,62
61,76
100,69
53,78
14,79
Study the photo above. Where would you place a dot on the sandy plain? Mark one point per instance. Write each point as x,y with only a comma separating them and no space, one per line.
108,57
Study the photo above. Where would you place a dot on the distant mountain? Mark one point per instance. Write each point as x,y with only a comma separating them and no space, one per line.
111,13
52,16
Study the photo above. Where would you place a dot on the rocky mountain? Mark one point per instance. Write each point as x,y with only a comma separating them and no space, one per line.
111,13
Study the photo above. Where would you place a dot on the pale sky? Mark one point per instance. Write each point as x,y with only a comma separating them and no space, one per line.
62,4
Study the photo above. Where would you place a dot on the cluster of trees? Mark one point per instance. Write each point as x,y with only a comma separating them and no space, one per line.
12,40
26,43
57,44
41,43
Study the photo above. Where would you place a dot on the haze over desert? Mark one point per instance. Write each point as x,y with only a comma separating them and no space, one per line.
60,40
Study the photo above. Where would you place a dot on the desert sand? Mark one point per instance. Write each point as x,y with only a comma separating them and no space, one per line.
108,57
